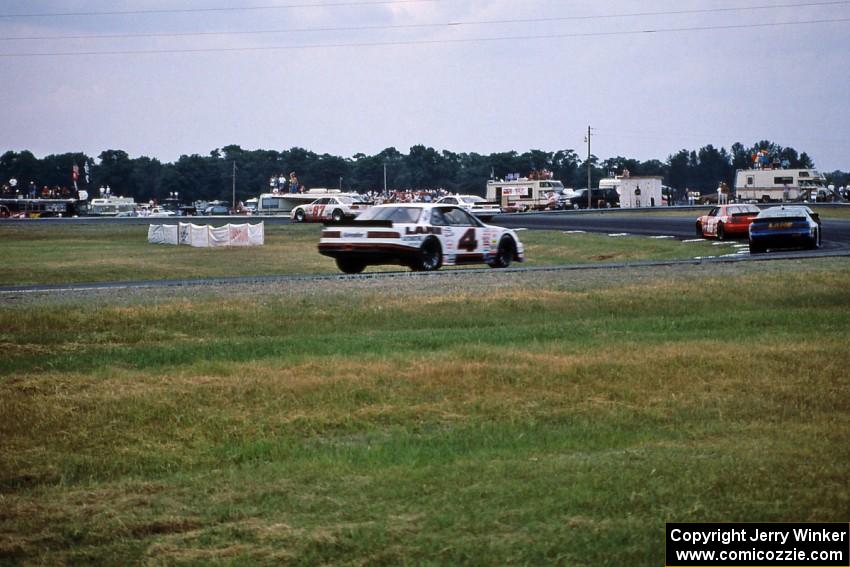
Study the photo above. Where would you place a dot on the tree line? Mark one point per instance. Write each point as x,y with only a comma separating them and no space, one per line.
212,176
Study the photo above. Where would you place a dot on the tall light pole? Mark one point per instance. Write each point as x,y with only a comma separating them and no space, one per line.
233,206
385,180
588,166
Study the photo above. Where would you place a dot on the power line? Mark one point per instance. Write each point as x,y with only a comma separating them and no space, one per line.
427,42
610,133
433,25
221,9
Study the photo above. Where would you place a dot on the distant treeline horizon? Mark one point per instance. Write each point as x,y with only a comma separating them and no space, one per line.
209,177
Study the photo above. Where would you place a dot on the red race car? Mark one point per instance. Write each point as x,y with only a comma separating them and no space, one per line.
727,221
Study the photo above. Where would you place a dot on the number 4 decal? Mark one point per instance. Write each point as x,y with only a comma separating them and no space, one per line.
467,241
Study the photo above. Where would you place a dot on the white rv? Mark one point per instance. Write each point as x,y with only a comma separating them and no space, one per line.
523,194
768,185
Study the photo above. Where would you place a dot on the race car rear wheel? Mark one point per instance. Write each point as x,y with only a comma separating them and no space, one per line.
816,241
350,265
299,215
337,215
430,256
504,254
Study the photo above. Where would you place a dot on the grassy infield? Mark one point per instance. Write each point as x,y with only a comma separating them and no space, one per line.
536,419
86,253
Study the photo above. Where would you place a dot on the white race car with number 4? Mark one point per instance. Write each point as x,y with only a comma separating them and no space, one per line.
328,208
421,236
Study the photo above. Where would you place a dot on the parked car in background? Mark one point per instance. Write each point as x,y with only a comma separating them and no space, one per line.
564,198
213,210
478,206
727,221
599,199
785,227
161,212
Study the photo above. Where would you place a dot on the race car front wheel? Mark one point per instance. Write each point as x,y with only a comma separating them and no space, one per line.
504,254
350,265
430,256
699,230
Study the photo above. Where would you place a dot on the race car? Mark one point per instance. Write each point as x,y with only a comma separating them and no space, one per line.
422,236
726,221
329,208
786,226
474,204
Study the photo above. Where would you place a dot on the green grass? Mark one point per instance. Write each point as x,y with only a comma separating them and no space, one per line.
50,254
531,419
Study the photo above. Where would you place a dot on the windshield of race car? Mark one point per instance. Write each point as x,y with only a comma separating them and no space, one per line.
472,200
394,214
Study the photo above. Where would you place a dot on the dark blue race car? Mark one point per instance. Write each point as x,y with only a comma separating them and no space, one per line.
785,227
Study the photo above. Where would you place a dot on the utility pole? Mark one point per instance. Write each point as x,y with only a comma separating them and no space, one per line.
589,167
233,206
385,180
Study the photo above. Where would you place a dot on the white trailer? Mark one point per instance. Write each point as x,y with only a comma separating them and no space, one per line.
637,192
523,194
768,185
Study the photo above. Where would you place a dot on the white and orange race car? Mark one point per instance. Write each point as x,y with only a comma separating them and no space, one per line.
329,209
422,236
727,221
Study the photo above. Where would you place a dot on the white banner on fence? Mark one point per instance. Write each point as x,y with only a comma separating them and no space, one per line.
257,234
155,234
169,234
205,236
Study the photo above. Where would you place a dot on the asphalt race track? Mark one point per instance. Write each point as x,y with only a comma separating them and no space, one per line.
836,233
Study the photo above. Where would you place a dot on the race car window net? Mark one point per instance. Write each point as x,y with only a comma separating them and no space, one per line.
459,217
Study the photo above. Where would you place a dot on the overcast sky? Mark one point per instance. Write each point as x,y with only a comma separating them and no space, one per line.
506,75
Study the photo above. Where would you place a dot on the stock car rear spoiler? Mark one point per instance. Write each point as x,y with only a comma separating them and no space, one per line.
361,223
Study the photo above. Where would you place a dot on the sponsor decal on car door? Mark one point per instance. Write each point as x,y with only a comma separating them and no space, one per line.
466,237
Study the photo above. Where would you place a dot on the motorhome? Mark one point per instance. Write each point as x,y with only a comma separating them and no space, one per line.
523,194
767,185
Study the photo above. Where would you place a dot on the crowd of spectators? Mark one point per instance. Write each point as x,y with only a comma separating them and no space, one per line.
406,196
